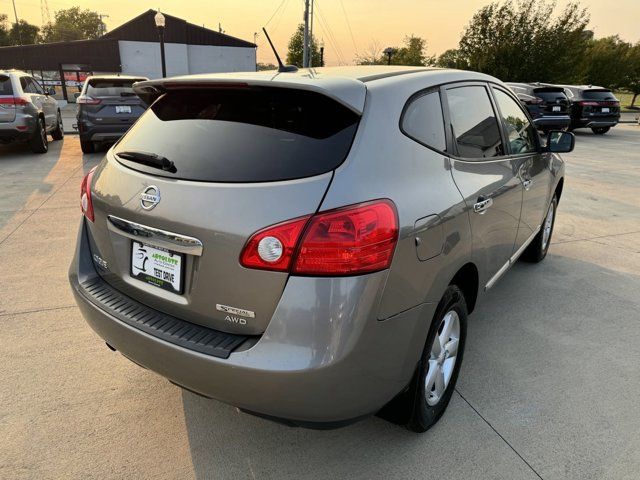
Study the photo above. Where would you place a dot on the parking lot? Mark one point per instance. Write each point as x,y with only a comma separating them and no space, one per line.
549,387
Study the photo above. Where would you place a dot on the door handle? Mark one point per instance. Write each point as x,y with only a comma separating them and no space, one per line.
527,183
482,205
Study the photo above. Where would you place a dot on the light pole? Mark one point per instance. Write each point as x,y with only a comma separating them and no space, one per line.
389,52
160,23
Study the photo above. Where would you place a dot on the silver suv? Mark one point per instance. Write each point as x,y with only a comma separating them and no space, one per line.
28,112
307,246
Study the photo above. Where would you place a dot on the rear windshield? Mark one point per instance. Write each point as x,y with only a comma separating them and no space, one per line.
111,88
5,86
255,134
550,95
599,95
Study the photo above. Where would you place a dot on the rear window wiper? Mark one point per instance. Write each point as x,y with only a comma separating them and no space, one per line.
149,159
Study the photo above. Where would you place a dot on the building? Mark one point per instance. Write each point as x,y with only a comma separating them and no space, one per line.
133,49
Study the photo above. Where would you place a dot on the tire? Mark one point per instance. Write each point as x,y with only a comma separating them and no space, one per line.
87,146
58,133
39,142
600,130
427,404
538,248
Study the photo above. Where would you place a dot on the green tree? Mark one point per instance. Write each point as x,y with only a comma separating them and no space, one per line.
23,33
452,58
295,49
631,80
73,24
412,53
527,40
607,62
4,30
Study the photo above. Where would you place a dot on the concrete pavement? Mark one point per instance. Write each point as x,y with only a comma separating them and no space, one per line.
548,388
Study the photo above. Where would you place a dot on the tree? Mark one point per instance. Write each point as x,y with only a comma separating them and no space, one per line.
412,53
73,24
23,33
4,30
296,46
452,58
606,62
631,80
527,40
266,66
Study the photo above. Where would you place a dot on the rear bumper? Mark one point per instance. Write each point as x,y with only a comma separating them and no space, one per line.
596,121
20,129
101,133
552,121
324,358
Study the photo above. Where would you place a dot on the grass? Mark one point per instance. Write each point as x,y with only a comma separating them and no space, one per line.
625,101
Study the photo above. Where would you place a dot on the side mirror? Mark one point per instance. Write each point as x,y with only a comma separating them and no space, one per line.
560,142
51,91
76,95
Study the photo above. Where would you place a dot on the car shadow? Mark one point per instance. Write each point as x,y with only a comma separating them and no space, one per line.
537,320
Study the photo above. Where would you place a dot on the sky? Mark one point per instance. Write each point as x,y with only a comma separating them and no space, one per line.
348,28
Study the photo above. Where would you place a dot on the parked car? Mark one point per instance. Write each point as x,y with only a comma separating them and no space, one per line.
107,107
307,246
592,107
28,112
547,105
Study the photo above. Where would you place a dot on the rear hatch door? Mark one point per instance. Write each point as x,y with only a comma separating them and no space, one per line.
118,104
7,105
555,102
244,159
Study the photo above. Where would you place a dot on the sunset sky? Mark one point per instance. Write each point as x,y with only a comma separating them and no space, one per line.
367,22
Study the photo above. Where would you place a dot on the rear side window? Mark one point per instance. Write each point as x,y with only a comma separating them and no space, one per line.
473,122
111,88
5,86
423,121
253,134
599,95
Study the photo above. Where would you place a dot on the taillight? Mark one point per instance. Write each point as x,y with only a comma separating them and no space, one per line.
534,101
346,241
87,100
85,195
15,101
589,104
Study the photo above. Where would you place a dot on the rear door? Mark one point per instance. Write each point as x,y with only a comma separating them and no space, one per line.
117,104
49,104
485,175
533,167
7,105
244,159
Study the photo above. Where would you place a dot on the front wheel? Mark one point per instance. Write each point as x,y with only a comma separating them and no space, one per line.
438,369
538,248
600,130
39,142
58,133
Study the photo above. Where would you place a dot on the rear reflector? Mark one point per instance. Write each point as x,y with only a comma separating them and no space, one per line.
86,204
346,241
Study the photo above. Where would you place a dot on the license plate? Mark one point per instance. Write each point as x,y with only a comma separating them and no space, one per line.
605,110
157,266
123,109
556,109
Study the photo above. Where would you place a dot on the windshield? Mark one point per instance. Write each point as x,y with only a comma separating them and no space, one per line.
111,88
550,95
252,134
606,95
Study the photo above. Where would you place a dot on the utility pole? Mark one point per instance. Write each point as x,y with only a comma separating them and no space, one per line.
310,47
15,12
103,26
305,46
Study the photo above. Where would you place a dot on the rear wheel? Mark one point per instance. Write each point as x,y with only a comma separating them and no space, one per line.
58,133
538,248
39,142
600,130
87,146
438,369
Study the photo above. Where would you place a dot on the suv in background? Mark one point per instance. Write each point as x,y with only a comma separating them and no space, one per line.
592,107
28,112
548,105
107,107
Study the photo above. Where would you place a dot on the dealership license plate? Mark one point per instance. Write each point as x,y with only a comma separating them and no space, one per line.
157,266
123,109
606,110
556,109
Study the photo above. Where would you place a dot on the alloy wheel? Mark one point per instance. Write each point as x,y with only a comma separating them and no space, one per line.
442,358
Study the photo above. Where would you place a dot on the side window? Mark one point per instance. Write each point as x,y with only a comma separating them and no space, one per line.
474,125
27,85
423,121
36,86
520,132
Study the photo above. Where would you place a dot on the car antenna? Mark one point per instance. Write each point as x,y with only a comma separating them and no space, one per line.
282,68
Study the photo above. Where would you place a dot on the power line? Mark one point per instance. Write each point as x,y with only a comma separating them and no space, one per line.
327,29
274,13
346,17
